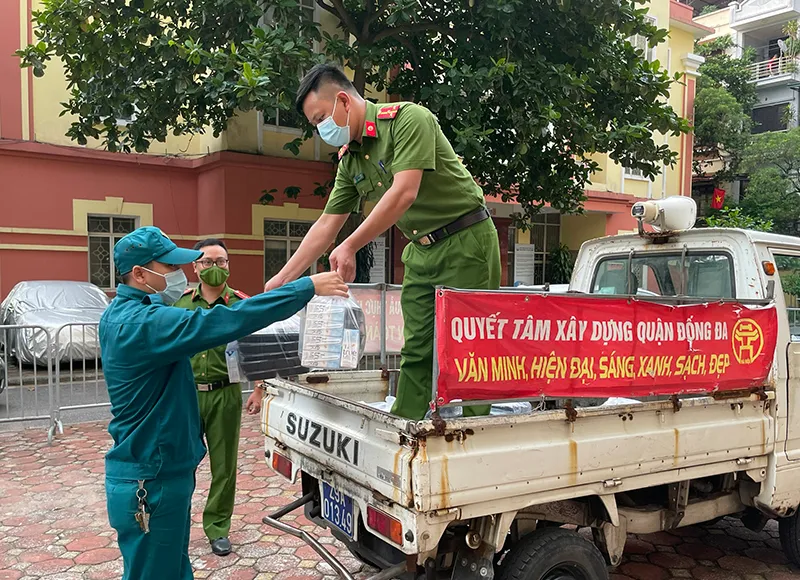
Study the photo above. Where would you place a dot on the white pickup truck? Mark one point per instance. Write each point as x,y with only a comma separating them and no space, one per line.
471,498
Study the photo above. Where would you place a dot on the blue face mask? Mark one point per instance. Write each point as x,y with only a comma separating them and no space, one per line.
176,286
333,134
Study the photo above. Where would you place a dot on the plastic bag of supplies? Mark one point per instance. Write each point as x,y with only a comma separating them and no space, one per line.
332,334
271,352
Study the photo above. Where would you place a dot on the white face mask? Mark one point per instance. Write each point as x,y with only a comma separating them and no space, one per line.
176,285
333,134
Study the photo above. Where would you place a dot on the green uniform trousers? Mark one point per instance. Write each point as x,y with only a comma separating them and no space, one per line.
163,554
468,259
221,416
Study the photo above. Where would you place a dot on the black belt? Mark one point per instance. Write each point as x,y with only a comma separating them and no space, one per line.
462,223
206,387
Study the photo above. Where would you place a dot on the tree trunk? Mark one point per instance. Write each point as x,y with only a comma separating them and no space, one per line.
360,79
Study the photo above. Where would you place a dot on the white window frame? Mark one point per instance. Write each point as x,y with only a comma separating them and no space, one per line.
277,127
287,239
639,41
110,236
633,173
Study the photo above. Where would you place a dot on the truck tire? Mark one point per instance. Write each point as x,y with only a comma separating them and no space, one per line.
790,537
554,554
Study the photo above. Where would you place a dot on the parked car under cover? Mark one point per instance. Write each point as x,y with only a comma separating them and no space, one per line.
69,312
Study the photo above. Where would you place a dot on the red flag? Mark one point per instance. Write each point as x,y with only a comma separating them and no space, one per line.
718,200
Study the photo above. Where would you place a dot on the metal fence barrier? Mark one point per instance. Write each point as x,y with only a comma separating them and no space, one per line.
46,372
27,392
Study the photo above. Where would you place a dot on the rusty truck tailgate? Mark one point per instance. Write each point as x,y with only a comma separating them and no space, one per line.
324,433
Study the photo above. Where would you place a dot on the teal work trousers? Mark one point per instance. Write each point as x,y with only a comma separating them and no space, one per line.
163,554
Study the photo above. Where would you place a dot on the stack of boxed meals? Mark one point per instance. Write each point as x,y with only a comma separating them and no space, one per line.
332,334
329,334
271,352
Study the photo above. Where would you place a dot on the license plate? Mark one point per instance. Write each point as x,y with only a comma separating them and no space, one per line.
337,508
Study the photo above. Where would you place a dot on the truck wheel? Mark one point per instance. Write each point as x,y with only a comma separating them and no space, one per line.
790,537
554,554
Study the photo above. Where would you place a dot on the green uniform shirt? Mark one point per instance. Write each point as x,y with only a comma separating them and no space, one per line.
209,366
398,137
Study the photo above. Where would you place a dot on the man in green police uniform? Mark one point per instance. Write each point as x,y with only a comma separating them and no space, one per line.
396,155
155,424
220,400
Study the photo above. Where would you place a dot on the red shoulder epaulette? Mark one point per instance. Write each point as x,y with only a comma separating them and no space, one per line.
388,112
240,294
343,151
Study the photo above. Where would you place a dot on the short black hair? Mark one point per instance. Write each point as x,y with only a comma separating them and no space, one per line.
210,242
320,75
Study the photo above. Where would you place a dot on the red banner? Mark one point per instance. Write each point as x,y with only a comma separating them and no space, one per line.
496,345
370,302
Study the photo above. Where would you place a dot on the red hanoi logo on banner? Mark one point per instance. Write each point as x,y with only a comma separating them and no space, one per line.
495,345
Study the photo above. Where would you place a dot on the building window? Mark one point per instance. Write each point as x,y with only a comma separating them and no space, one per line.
640,43
702,193
280,118
291,119
512,244
634,173
381,272
104,232
772,118
545,236
281,240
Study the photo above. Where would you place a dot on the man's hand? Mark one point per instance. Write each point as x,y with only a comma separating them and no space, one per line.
329,284
273,283
343,261
253,404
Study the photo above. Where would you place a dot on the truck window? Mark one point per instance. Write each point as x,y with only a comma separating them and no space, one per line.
788,268
699,275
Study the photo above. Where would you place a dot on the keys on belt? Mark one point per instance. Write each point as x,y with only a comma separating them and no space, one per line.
206,387
462,223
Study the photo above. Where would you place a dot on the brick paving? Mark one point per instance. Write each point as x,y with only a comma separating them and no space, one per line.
53,524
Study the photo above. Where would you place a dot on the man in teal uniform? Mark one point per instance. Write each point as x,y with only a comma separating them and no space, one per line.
397,156
146,345
220,400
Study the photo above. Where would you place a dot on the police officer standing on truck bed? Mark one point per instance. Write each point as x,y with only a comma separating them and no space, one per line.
155,425
396,155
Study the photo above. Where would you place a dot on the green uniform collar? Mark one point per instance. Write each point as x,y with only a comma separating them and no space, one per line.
225,296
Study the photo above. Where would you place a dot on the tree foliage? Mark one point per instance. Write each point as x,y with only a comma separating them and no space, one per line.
527,92
773,192
736,218
723,107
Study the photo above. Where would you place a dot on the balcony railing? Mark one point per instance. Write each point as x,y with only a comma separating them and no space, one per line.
774,67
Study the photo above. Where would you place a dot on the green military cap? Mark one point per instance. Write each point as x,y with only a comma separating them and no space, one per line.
149,244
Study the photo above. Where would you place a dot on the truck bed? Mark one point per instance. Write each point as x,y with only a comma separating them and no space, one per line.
477,463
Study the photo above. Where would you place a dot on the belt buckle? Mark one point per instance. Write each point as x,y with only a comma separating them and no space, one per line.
203,387
425,240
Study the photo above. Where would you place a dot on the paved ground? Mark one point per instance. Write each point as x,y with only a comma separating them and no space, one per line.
53,524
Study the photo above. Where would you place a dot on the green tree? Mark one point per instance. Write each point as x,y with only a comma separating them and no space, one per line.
527,92
734,218
773,162
723,109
